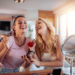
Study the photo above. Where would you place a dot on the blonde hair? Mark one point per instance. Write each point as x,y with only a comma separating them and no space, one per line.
41,45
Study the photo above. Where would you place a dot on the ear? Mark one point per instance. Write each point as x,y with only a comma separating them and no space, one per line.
13,27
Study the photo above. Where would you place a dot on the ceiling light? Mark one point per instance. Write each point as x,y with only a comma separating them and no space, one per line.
19,1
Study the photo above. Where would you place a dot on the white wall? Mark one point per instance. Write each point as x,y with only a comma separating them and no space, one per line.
69,7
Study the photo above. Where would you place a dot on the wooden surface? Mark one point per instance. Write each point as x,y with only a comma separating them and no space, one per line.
49,15
5,18
40,72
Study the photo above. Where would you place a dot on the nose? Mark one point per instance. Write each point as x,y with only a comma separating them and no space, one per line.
24,25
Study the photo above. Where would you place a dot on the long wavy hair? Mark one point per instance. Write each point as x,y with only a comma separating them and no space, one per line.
41,45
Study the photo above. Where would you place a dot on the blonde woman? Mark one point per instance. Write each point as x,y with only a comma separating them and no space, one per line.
47,45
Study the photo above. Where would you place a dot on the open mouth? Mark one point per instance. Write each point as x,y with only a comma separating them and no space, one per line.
22,27
39,28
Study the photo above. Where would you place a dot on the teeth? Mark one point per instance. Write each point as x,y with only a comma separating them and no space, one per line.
22,28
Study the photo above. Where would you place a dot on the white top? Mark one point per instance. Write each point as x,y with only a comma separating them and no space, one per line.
48,57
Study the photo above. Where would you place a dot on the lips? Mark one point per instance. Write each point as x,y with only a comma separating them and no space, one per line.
38,28
22,27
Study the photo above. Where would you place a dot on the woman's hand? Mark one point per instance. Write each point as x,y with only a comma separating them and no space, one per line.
34,61
32,45
31,52
27,62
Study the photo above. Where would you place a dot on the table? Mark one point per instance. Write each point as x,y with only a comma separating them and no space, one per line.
39,72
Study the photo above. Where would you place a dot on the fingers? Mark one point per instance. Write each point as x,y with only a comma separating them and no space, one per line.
32,58
24,57
32,47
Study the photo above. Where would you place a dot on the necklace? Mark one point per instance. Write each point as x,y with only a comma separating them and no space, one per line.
19,41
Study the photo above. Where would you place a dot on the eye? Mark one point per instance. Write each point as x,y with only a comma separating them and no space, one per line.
39,22
25,22
19,22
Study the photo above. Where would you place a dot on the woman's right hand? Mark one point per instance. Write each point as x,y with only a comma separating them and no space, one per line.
26,60
25,64
34,60
32,48
24,57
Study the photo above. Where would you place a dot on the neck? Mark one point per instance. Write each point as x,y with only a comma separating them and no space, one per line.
20,40
20,37
45,37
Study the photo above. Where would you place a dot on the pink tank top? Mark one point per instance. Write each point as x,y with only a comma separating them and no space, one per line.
12,59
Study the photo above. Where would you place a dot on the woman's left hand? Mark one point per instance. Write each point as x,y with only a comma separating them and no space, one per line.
35,61
33,43
26,60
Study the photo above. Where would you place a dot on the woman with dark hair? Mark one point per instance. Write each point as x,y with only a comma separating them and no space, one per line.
12,48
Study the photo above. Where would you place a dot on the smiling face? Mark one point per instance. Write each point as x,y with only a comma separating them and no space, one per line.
41,27
20,26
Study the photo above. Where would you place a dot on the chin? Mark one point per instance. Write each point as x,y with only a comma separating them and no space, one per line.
23,34
40,33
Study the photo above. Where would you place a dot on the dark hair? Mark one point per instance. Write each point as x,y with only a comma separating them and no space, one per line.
17,18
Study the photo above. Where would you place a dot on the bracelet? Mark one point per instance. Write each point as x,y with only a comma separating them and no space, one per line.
31,51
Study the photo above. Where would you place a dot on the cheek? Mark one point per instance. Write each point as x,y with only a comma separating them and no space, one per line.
43,30
39,31
26,26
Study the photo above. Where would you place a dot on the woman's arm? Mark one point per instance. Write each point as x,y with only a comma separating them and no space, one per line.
3,48
59,57
55,63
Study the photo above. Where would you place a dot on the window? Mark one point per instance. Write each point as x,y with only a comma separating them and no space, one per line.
63,32
66,25
71,23
31,29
